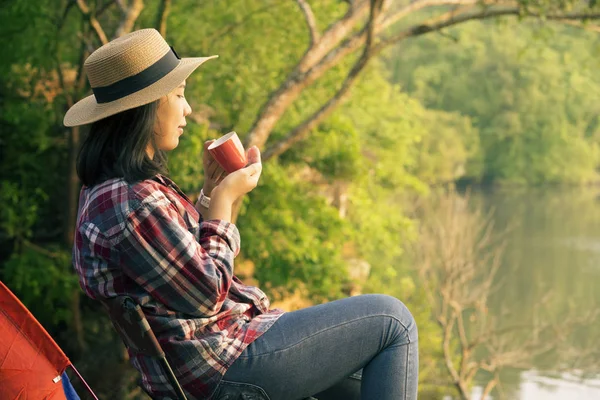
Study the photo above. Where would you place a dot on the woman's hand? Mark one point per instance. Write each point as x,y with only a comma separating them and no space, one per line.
242,181
213,172
234,185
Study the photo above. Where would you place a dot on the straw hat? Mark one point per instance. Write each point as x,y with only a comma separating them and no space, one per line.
128,72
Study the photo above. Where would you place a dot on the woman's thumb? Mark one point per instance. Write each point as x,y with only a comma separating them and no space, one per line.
254,168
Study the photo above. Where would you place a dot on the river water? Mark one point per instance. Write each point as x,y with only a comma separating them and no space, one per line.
552,252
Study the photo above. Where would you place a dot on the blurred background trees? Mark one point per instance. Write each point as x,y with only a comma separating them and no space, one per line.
360,107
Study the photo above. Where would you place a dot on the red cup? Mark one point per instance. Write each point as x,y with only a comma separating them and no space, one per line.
229,152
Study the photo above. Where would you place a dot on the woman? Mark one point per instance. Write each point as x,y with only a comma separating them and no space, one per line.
139,235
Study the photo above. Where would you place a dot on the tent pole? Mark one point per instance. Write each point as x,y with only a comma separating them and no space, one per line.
89,389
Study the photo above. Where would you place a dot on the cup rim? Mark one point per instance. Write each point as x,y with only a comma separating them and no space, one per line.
221,140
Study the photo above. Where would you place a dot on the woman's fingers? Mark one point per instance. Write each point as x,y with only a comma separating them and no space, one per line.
214,172
206,156
210,167
217,174
208,143
255,165
253,155
237,183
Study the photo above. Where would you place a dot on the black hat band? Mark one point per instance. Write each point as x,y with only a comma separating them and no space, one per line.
139,81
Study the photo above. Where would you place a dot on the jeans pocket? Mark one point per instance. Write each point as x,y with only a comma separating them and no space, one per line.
228,390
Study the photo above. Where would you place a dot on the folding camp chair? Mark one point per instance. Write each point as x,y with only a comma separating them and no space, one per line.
133,328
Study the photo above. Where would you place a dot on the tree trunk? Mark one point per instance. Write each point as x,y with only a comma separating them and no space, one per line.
163,13
78,321
72,188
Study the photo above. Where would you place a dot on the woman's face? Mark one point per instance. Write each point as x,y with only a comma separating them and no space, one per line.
170,118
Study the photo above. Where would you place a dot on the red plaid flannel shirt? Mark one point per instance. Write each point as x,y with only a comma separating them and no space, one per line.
146,240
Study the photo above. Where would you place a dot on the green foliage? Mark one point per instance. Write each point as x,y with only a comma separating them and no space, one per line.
19,213
532,94
292,236
334,150
31,166
386,121
43,281
28,30
450,148
185,162
256,42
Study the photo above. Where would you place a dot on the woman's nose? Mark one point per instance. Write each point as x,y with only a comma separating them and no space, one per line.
187,110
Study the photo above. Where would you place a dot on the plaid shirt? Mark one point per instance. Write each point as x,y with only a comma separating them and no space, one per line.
146,240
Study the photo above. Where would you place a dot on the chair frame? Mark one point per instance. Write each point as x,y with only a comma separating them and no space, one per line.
130,323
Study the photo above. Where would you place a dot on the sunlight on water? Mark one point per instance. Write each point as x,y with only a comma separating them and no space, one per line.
534,386
553,246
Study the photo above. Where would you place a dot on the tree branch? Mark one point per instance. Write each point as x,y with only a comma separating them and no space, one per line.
101,9
490,385
435,24
366,35
375,12
62,20
161,20
333,35
297,79
464,342
310,21
453,18
130,15
231,27
41,250
305,127
321,57
85,10
334,55
121,5
587,27
324,55
302,130
59,71
448,360
420,4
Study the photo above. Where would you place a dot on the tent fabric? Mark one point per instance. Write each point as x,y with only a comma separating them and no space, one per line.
31,363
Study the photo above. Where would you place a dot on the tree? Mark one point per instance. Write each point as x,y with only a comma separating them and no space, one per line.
341,39
457,257
349,34
364,27
531,91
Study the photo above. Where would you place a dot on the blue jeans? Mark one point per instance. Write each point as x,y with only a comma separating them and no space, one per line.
317,351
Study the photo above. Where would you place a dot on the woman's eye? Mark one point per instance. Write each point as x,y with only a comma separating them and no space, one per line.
181,96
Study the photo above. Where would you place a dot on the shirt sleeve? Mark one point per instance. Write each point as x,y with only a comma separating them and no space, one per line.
164,257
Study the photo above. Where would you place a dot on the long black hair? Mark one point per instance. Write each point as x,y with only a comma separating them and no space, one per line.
116,147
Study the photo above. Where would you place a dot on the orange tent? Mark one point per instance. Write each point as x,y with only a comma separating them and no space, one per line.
31,363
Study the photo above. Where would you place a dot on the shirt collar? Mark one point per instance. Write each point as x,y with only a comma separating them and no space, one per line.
172,185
